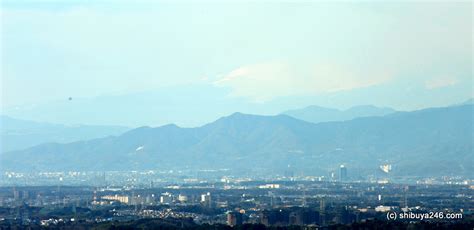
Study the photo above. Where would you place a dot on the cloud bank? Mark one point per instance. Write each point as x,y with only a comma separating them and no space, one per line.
265,81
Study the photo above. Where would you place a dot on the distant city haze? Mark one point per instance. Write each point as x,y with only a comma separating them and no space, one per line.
188,63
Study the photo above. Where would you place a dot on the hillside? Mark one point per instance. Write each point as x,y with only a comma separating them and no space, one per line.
437,141
16,134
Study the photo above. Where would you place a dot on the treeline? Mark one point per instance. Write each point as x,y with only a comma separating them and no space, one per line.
174,224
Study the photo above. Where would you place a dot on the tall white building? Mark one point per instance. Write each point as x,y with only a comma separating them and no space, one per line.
206,199
166,198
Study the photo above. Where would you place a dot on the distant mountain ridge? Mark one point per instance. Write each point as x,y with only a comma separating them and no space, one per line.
18,134
468,102
428,142
316,114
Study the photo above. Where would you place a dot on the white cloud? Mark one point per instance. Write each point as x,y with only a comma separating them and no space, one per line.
441,82
265,81
53,51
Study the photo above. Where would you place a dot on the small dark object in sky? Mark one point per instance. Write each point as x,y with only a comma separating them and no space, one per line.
70,98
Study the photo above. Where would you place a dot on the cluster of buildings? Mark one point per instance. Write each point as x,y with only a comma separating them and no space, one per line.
165,198
272,203
281,201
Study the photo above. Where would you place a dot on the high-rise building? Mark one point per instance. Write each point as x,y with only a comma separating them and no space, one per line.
234,218
166,198
322,212
296,218
16,194
206,199
343,173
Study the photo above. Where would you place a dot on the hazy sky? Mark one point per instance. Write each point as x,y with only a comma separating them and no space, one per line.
272,55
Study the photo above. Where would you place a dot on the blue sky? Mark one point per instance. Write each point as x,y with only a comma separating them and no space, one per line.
256,57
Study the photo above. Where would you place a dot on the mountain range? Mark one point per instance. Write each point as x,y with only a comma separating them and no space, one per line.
18,134
318,114
429,142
